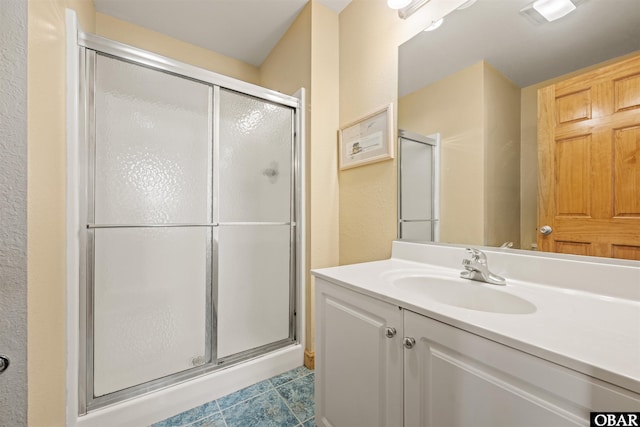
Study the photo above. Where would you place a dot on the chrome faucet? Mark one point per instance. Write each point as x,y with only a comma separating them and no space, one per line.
476,269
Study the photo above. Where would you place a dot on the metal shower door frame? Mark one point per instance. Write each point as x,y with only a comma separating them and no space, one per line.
90,47
432,140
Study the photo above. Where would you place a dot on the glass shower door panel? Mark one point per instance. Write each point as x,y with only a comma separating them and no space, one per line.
255,159
149,304
152,146
253,295
416,181
418,231
150,284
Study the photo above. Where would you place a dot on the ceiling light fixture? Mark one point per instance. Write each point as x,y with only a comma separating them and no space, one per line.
410,8
549,9
398,4
434,25
466,4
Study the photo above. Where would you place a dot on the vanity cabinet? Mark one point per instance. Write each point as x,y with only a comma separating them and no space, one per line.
431,374
359,359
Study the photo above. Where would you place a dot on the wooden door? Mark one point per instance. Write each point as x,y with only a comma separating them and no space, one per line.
589,163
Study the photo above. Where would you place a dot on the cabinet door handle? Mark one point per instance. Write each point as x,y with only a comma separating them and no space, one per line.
408,342
390,332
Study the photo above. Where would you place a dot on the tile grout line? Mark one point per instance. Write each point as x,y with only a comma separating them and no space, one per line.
242,401
273,387
300,423
224,420
192,423
288,407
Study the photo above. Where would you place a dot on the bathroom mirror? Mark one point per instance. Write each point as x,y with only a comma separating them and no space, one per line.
474,80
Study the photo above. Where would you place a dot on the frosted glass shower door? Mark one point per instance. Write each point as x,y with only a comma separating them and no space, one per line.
254,241
150,231
418,187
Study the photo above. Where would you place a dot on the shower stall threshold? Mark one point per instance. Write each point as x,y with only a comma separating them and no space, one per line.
161,404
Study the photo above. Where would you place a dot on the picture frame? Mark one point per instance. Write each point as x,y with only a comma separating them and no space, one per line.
367,140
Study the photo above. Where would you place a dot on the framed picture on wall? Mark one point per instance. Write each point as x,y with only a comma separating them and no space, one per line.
367,140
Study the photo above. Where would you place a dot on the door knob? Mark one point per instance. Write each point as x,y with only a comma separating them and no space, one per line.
546,229
390,332
4,363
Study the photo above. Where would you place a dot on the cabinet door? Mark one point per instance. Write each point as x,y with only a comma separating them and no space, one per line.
358,368
455,378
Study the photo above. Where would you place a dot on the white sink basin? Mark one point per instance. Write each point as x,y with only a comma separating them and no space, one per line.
465,294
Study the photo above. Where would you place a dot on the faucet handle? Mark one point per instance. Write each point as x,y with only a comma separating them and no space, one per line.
477,255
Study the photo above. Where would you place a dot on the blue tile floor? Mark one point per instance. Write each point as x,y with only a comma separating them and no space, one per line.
282,401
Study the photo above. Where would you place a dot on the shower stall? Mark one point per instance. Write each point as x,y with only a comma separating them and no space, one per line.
189,246
418,186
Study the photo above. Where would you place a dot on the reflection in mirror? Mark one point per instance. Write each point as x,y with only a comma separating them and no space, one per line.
475,81
418,186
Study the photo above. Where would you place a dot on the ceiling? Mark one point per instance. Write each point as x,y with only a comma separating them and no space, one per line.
522,50
493,30
243,29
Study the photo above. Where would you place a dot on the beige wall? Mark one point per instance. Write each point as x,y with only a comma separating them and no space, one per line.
287,68
454,108
46,206
146,39
323,155
370,34
529,166
368,81
477,113
502,159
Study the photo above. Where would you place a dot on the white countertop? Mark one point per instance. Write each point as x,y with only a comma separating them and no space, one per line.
595,334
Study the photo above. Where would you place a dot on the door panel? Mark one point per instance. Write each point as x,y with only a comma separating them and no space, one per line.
254,160
589,160
455,378
358,368
150,309
573,248
417,230
626,178
152,146
626,252
573,165
627,92
149,283
254,277
418,187
254,208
